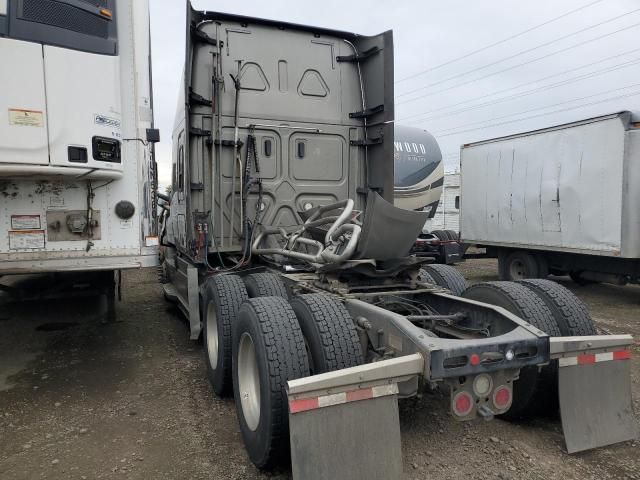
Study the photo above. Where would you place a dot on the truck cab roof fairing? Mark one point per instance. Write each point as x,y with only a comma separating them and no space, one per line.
199,16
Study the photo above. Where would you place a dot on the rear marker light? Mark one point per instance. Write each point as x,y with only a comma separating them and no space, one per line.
502,397
474,359
462,404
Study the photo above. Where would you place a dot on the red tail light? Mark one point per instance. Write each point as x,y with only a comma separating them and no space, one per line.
502,397
462,404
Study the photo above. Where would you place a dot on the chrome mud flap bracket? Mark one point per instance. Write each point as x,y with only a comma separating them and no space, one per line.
595,390
345,424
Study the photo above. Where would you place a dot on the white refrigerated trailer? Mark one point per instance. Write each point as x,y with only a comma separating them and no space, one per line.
562,200
77,171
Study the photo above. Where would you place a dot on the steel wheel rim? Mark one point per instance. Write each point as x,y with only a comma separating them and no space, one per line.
249,381
212,335
517,270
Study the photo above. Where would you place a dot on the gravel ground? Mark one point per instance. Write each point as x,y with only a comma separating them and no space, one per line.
80,399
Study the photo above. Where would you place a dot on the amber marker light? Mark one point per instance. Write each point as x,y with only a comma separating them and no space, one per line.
106,13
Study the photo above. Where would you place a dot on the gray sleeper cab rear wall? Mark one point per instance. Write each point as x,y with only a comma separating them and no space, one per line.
299,96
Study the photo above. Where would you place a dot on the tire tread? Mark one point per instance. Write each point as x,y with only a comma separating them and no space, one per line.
446,276
337,332
287,360
230,293
541,395
265,285
571,313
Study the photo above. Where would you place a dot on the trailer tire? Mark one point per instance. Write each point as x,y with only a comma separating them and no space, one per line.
446,276
268,351
222,297
536,390
265,285
569,311
518,265
330,334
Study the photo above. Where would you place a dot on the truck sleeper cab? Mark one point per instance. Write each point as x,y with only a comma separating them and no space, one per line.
283,249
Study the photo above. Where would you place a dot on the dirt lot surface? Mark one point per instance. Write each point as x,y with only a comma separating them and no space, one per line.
80,399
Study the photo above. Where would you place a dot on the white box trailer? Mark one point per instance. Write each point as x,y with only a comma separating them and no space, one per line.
558,200
77,172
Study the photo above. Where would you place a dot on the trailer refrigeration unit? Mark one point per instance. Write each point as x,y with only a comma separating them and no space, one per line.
282,248
562,200
77,173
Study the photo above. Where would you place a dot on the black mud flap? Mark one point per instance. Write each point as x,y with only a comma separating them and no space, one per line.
595,399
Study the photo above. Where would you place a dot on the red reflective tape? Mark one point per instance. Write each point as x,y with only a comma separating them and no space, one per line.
304,404
586,358
355,395
622,355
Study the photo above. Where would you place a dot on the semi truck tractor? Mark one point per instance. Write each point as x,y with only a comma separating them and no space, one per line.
561,200
283,249
77,171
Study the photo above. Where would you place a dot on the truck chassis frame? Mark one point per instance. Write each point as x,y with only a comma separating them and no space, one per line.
440,345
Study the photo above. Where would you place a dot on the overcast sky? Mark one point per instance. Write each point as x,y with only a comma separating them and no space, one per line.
540,78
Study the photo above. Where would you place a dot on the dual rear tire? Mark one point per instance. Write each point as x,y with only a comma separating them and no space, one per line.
550,307
275,341
256,341
268,351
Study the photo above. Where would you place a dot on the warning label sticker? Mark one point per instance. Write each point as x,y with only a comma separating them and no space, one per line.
26,240
26,118
56,201
25,222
